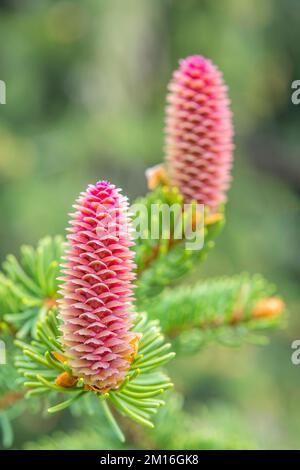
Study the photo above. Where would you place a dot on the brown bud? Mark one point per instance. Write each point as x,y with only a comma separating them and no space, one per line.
65,380
156,175
213,218
268,308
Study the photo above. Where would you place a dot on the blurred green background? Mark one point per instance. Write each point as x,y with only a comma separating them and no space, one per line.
86,83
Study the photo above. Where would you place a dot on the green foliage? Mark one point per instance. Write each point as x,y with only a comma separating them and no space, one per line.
216,309
174,429
87,438
145,220
28,288
196,432
164,261
11,403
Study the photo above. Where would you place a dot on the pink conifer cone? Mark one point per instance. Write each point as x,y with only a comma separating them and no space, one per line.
199,132
97,287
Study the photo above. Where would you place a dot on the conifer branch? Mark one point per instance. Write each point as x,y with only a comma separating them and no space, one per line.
163,262
29,287
225,309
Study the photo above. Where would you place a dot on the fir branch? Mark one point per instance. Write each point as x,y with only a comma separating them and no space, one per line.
163,262
28,288
148,249
226,309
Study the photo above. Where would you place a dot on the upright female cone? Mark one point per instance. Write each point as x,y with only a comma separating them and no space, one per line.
199,132
96,302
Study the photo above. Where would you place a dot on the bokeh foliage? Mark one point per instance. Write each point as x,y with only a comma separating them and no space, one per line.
86,82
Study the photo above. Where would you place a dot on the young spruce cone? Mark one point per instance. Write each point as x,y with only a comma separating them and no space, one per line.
199,132
96,303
